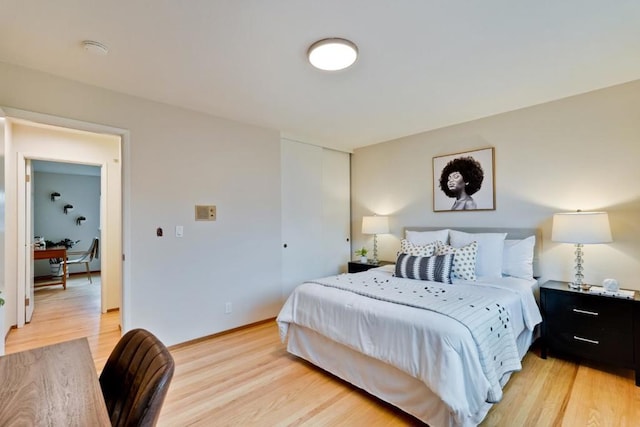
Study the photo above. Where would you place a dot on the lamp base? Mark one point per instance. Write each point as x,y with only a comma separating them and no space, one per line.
374,261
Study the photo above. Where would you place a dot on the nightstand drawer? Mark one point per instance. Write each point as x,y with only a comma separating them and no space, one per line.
589,312
589,327
601,345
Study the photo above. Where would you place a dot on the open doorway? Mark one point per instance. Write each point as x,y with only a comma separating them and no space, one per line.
65,201
32,142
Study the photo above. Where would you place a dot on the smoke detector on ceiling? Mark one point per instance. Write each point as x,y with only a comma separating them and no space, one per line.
95,48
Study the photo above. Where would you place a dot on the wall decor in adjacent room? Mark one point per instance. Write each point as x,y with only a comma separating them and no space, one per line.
464,181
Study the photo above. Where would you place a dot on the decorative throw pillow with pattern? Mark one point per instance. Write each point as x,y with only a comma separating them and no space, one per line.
435,268
464,260
409,248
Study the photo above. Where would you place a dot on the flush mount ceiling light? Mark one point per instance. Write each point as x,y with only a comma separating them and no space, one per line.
332,54
95,47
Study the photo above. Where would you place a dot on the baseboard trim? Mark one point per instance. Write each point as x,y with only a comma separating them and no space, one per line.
208,337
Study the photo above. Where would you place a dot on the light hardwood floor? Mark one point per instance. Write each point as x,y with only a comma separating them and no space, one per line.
246,378
65,315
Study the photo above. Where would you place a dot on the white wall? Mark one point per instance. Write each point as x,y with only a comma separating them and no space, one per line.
578,153
177,287
50,221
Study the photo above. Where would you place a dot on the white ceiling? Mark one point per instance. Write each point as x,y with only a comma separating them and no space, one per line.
423,64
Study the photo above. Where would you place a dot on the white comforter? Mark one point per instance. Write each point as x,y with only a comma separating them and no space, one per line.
426,345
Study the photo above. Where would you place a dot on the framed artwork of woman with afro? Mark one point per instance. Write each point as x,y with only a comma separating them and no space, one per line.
464,181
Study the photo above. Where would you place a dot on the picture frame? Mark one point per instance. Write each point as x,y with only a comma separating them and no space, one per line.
468,179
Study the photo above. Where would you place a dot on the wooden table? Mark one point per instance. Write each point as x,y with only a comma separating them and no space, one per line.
56,385
52,253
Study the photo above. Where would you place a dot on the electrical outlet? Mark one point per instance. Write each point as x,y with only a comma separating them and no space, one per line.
228,308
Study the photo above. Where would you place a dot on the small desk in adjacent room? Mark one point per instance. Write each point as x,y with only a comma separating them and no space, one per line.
56,385
60,253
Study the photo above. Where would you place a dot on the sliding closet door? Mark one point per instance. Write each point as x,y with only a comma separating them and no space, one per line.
336,211
315,213
301,213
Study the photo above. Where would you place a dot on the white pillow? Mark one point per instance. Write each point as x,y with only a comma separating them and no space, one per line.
425,237
490,250
517,259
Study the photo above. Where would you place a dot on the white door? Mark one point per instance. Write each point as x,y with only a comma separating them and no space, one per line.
25,299
336,211
302,247
30,301
315,213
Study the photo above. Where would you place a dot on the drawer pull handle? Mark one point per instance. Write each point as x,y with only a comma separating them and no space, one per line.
592,313
586,340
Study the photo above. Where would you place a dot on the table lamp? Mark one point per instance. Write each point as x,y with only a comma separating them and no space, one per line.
375,225
580,228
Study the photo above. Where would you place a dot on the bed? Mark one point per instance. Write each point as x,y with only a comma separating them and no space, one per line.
390,332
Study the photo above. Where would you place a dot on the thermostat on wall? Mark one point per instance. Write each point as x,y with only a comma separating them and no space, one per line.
205,212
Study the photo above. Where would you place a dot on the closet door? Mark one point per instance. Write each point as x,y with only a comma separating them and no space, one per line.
302,243
315,213
336,211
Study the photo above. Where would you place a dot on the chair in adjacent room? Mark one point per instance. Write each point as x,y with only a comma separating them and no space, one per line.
85,257
136,378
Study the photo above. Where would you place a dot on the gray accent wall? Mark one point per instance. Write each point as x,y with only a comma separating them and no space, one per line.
50,221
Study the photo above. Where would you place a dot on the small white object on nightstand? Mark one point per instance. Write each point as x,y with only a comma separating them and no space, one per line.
610,285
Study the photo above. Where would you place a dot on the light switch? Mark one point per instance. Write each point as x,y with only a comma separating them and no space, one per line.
179,231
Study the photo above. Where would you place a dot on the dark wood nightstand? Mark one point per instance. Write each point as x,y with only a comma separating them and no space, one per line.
357,267
593,327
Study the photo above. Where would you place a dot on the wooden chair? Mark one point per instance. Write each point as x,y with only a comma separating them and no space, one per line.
136,378
85,257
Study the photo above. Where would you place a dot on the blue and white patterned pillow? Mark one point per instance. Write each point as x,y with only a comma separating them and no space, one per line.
435,268
464,260
409,248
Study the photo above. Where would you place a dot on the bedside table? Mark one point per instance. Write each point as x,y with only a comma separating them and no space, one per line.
357,267
593,327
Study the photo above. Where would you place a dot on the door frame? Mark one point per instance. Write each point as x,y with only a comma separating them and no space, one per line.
14,253
24,258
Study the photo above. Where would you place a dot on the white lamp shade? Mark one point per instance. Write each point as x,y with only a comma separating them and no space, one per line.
375,224
581,227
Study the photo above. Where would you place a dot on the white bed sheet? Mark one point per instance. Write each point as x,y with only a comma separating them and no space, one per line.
443,355
381,379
